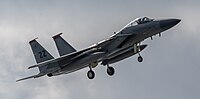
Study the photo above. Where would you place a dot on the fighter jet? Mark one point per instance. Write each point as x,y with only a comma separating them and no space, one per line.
121,45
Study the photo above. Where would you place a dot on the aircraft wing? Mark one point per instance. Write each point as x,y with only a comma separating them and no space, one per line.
115,41
76,69
102,44
71,55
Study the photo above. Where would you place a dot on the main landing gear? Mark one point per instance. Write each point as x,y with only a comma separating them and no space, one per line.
90,73
110,70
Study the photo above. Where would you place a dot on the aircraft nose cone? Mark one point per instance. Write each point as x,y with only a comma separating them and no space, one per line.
168,23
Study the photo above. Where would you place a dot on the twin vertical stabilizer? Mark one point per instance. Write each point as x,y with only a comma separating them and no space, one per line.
40,53
63,46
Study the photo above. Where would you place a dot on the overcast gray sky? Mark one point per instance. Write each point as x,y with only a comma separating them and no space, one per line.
170,69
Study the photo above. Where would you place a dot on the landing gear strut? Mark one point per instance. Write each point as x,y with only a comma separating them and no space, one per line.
90,73
140,59
110,70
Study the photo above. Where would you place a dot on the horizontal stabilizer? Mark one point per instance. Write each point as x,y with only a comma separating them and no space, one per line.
33,66
25,78
34,76
63,46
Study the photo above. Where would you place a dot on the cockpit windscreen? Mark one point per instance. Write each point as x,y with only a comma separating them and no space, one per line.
137,21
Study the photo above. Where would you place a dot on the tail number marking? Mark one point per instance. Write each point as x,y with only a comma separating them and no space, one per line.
42,54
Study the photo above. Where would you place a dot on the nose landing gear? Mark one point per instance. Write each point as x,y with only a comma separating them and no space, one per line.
140,59
137,50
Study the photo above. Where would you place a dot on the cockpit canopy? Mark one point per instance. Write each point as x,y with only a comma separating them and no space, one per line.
140,20
143,20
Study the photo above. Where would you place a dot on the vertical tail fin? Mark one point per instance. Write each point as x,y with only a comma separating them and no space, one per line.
40,53
62,46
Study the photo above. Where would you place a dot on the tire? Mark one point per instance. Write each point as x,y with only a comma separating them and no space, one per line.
140,59
90,74
50,75
110,71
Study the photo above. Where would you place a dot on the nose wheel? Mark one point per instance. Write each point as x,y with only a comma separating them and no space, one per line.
140,59
90,74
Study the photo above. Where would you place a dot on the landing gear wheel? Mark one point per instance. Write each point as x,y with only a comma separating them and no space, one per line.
140,59
90,74
50,75
110,71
